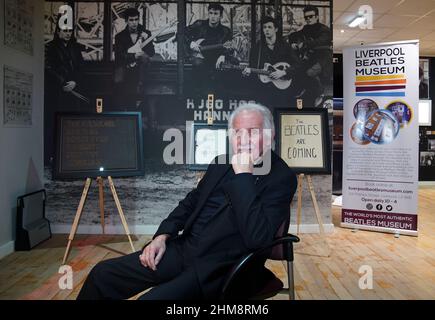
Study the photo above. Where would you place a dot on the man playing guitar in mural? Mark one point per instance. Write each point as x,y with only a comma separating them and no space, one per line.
275,61
208,42
133,51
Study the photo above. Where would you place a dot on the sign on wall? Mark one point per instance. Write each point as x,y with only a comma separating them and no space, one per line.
17,104
303,139
19,25
380,150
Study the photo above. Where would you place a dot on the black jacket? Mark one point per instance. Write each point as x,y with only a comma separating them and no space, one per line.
255,208
280,53
63,63
123,43
200,29
317,43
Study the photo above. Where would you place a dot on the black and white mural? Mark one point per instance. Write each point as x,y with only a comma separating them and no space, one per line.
163,58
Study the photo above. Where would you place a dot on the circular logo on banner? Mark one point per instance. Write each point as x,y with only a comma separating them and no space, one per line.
357,133
363,108
381,126
401,111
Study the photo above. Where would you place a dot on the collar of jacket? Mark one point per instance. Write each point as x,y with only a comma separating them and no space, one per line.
222,169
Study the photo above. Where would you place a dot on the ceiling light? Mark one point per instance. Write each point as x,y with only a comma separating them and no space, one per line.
356,21
342,31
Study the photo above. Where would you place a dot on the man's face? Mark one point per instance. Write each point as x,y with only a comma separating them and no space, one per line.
132,23
65,34
269,29
311,17
214,16
247,135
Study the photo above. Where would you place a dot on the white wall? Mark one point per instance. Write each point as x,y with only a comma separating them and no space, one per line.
21,149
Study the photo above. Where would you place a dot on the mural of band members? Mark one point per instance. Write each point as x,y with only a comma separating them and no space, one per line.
288,51
148,56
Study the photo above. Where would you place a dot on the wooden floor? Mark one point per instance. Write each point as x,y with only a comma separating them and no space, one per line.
403,268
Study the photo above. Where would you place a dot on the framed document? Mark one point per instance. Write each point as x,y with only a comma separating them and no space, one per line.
424,77
302,138
208,141
17,98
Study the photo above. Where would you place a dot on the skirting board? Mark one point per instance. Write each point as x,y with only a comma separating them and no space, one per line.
109,229
311,228
7,248
151,229
426,183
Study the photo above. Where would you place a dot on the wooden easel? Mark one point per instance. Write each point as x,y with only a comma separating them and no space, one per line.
99,109
313,199
101,203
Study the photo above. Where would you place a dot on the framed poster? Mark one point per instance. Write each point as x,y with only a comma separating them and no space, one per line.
423,74
18,92
427,158
303,139
18,25
208,141
102,144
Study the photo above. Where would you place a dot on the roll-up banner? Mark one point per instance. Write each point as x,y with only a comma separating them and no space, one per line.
380,147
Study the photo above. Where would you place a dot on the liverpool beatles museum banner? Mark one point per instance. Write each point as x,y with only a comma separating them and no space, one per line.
380,151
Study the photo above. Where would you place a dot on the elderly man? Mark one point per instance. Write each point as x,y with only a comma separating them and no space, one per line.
232,211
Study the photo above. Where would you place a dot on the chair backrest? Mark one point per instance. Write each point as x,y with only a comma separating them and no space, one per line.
278,252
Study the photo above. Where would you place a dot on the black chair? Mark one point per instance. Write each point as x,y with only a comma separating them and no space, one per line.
250,279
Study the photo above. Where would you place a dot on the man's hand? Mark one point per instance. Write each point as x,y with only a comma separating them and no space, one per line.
144,36
138,55
69,86
194,46
246,72
219,61
242,163
278,74
153,253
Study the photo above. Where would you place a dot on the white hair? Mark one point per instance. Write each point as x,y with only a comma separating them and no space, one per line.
268,123
255,107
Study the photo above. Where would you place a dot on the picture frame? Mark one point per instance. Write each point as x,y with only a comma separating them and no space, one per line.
98,145
17,98
207,142
424,76
425,112
427,159
308,130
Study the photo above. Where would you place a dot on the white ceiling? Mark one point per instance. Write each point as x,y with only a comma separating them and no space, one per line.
393,20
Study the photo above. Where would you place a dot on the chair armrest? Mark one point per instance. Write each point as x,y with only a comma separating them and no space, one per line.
245,260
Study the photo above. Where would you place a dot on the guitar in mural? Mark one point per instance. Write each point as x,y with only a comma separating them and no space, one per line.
264,74
202,48
142,43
